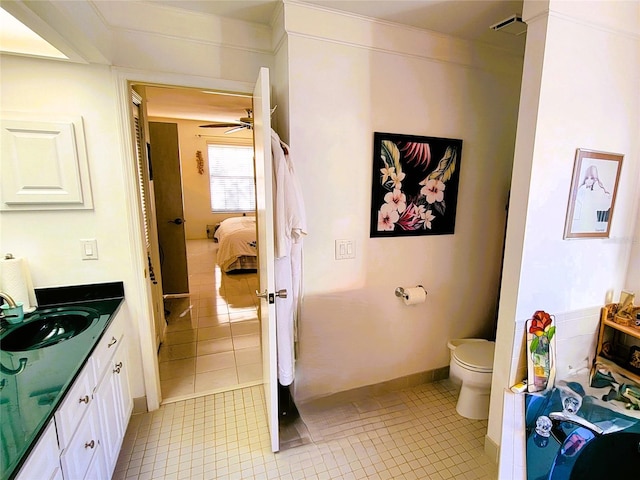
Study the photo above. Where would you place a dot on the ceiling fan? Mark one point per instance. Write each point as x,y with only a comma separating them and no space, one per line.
242,123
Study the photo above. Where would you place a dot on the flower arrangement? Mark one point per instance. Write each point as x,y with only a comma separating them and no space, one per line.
199,162
540,334
410,195
541,326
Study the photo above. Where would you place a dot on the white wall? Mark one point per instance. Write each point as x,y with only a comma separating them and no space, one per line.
580,90
50,240
354,331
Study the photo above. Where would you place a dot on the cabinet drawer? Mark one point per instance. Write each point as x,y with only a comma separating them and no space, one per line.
107,347
75,404
82,448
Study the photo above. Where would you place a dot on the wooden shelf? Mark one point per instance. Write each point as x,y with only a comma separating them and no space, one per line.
618,369
615,364
632,331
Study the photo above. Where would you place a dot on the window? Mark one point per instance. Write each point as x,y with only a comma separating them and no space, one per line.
231,178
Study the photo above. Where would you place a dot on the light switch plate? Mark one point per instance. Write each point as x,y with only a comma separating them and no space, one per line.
345,249
89,249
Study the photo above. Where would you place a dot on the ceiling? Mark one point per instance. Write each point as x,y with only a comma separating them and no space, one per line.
467,19
194,104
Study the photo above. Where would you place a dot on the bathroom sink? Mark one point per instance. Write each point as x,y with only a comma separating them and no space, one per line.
616,454
48,328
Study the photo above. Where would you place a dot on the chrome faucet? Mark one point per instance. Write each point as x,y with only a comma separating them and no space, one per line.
557,418
8,299
14,371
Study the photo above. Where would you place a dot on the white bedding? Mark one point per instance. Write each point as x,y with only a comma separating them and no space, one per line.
237,240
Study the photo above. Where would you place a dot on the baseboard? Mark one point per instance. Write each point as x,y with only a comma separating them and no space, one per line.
388,386
491,449
140,405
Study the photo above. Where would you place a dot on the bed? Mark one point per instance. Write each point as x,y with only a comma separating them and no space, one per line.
237,244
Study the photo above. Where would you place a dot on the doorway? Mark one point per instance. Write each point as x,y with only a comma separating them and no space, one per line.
212,339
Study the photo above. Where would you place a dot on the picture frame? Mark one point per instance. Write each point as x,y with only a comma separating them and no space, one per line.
592,197
414,185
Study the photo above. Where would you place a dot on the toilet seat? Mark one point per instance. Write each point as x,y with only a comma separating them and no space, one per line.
475,356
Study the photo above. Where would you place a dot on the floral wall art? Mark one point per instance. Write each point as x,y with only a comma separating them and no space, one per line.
415,185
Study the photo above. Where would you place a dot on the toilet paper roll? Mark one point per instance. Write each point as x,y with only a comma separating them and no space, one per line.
16,282
415,295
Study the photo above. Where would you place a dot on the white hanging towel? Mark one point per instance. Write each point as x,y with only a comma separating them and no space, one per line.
290,228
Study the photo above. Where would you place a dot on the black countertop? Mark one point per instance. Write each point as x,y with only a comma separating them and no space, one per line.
29,399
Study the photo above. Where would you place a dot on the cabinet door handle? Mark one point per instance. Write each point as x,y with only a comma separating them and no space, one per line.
118,367
112,342
84,399
90,444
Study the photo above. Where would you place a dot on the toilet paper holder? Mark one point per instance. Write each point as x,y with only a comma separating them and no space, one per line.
401,293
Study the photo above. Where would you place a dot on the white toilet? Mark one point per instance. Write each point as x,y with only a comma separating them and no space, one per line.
471,367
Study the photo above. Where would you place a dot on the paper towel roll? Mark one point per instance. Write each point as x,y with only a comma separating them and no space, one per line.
415,295
16,282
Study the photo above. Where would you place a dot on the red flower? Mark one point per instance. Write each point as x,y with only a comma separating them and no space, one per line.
540,322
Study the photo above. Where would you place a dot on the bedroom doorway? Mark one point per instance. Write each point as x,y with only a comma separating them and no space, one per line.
212,340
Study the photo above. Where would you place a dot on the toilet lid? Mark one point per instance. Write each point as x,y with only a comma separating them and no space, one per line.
477,356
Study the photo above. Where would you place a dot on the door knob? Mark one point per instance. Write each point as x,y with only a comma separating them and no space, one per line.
270,297
177,221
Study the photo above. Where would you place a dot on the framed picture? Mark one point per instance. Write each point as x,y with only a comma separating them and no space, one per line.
593,194
415,185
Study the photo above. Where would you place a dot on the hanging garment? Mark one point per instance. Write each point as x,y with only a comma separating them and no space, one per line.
290,228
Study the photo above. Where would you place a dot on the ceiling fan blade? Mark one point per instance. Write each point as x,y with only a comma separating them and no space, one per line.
237,129
223,125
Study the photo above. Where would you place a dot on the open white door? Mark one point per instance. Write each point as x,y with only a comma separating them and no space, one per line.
266,256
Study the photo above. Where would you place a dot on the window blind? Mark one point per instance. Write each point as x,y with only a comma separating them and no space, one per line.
232,182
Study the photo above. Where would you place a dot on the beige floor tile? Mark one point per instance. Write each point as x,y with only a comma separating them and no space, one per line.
246,356
244,315
202,278
214,332
182,324
177,368
212,310
178,387
205,321
177,352
222,319
249,373
180,337
215,361
208,347
246,341
245,328
241,300
216,379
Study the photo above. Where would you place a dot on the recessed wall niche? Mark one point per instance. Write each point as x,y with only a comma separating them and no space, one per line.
44,163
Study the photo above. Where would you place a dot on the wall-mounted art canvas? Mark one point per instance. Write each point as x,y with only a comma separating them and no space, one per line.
593,194
415,185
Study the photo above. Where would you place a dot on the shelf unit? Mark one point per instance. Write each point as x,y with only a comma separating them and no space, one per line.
609,332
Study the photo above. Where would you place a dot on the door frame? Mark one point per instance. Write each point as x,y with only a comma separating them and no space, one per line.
138,294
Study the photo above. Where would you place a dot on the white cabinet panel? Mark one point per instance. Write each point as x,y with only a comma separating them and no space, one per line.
75,405
43,164
44,461
86,443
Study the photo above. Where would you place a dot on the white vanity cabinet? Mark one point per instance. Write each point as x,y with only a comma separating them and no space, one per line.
114,400
44,461
92,419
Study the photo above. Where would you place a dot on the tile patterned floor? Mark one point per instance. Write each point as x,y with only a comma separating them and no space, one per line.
213,336
409,434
